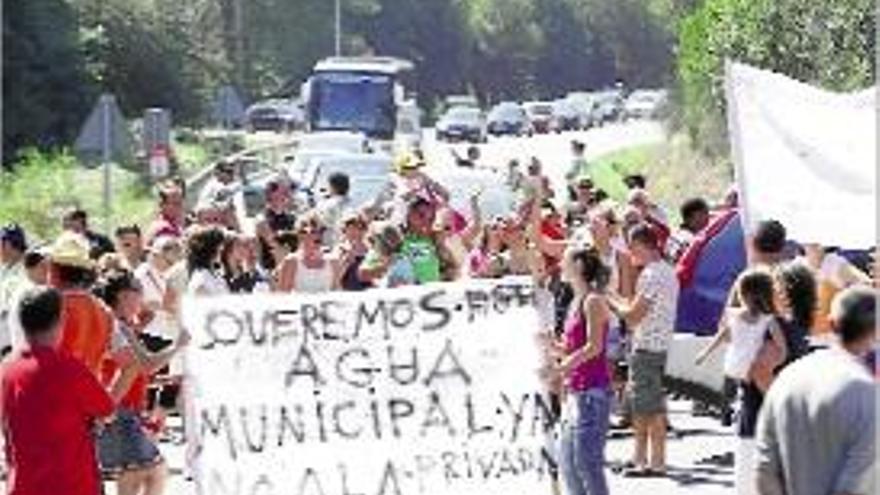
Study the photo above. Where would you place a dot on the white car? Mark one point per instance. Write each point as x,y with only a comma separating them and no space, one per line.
644,104
496,198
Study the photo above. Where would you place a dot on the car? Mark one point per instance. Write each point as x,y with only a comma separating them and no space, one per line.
276,115
496,198
609,106
508,119
584,103
644,104
462,123
566,116
540,115
369,174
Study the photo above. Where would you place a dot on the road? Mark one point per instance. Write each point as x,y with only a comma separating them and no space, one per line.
553,150
693,456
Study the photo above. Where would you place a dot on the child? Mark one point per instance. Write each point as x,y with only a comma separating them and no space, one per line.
747,329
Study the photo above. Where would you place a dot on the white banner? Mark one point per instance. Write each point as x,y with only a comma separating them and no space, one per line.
424,390
804,156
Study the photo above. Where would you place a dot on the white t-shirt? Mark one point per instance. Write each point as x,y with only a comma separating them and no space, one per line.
206,283
155,285
746,339
659,284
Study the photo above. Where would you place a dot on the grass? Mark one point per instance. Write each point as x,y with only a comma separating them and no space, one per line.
44,185
674,172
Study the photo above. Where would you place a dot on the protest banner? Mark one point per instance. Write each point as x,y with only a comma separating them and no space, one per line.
804,156
423,390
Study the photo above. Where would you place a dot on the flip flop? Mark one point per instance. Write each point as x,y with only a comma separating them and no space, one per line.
645,473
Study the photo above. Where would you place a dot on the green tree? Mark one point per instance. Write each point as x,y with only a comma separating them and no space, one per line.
46,89
829,43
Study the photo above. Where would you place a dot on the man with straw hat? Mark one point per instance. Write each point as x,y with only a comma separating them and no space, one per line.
86,323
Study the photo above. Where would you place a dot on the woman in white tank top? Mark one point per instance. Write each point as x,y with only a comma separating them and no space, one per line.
309,270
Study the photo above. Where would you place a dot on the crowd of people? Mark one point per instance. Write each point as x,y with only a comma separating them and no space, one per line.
94,330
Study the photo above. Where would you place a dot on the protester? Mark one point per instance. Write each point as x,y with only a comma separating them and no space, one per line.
414,183
204,249
767,246
817,428
49,404
352,251
240,268
171,213
13,277
276,218
695,216
486,259
579,165
584,369
419,243
221,185
36,265
86,324
458,240
578,208
337,203
77,221
834,273
386,265
124,448
309,270
635,181
746,329
651,316
130,245
158,296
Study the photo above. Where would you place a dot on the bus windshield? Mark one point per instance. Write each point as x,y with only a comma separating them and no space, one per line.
350,101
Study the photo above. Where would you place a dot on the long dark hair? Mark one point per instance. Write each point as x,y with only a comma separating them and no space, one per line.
755,289
202,248
590,268
799,285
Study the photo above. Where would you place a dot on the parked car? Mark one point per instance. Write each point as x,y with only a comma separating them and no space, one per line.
584,103
462,124
644,104
566,116
274,115
541,115
508,119
609,106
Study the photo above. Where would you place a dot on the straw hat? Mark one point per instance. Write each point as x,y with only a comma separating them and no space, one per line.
71,249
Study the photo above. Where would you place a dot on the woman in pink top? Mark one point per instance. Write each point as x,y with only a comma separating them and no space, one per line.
583,367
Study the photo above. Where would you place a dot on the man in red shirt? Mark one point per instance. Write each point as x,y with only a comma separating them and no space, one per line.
49,403
170,219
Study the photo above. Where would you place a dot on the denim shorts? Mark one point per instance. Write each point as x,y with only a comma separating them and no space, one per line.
123,445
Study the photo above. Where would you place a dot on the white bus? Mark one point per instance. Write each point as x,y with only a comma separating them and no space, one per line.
362,95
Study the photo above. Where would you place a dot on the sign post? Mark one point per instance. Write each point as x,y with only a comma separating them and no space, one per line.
102,140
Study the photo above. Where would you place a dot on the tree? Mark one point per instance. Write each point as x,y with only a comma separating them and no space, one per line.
46,89
829,44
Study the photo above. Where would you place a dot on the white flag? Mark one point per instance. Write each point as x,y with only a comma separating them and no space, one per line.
804,156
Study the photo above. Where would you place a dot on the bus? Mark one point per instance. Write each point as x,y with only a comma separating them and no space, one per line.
356,94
